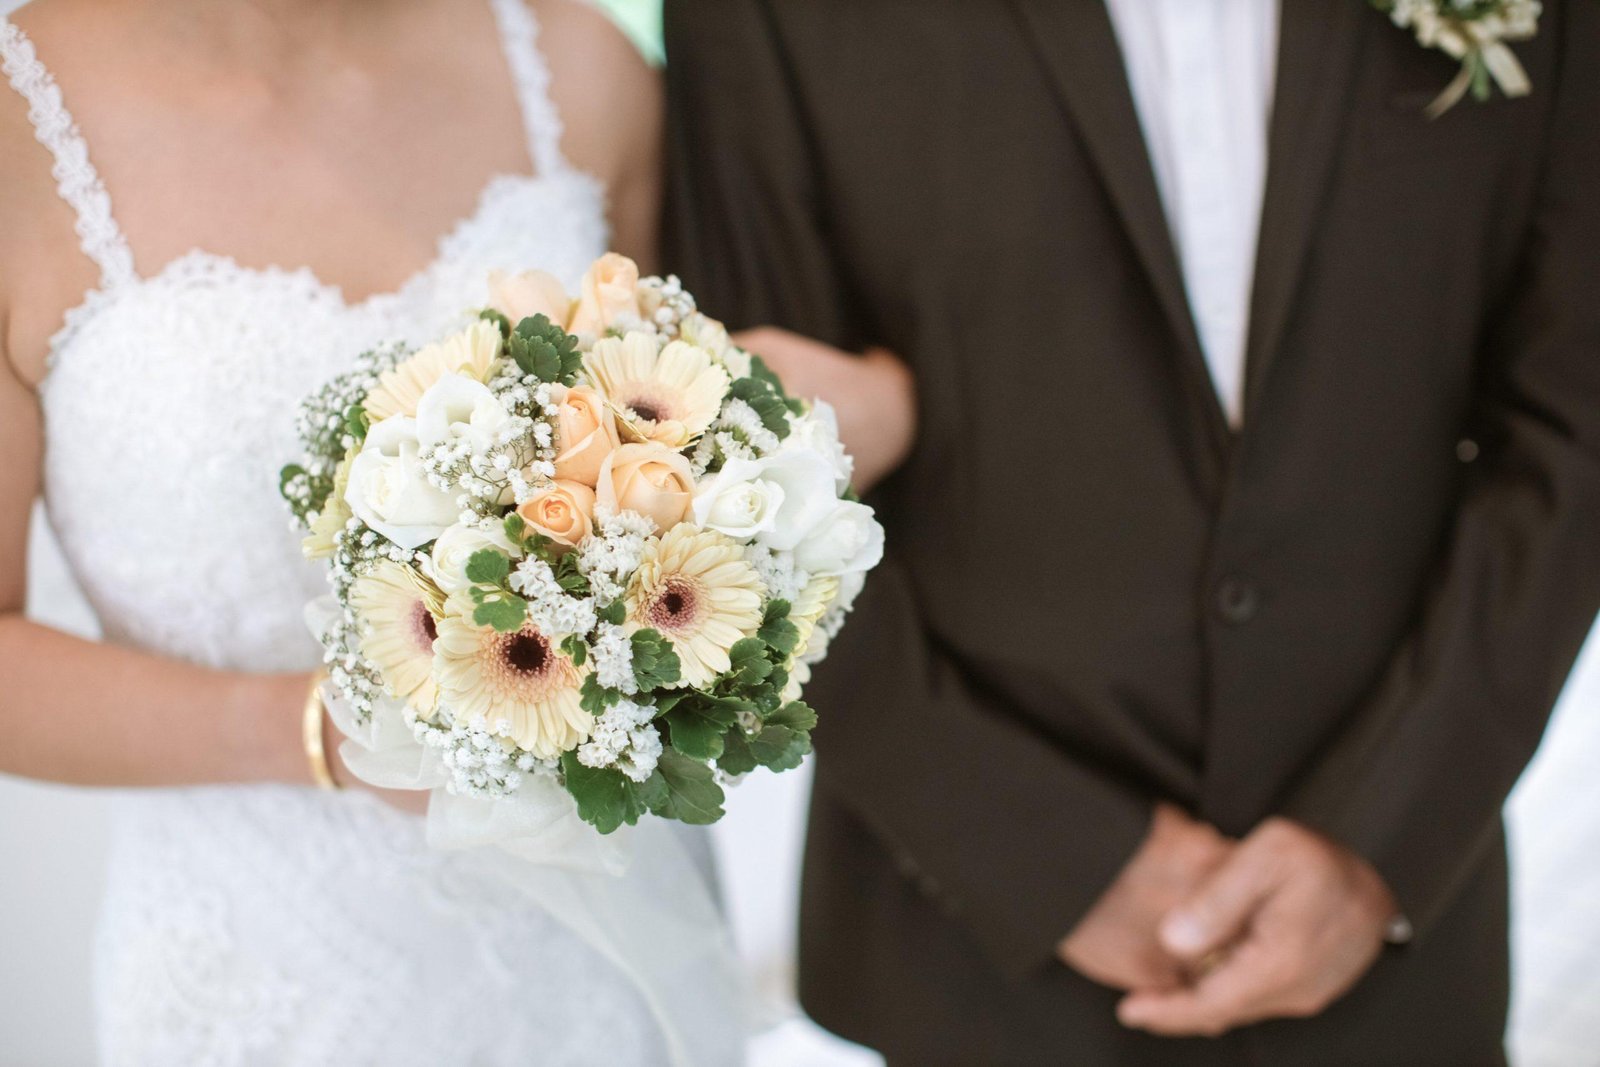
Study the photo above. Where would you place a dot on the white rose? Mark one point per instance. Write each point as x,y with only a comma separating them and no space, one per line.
390,491
818,431
848,541
738,501
448,564
850,586
806,480
457,407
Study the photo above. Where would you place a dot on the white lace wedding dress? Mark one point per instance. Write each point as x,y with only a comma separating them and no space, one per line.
264,924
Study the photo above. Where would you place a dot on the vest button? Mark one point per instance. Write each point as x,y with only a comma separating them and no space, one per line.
1238,601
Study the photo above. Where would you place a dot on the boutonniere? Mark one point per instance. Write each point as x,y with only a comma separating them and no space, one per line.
1474,32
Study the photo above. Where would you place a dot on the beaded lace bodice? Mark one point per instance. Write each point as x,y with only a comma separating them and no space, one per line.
170,397
268,924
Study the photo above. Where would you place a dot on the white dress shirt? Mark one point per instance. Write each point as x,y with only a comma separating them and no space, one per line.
1202,75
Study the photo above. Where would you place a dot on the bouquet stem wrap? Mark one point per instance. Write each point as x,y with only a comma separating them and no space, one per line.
638,896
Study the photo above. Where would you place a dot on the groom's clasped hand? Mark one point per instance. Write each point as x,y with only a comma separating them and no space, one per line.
1207,933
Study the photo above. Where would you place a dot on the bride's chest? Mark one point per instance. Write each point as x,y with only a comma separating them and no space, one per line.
205,362
173,397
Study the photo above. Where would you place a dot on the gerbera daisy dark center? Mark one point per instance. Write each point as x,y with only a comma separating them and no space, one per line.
646,410
425,628
677,606
526,653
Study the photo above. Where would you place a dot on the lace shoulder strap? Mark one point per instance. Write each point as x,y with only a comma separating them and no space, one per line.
76,179
519,35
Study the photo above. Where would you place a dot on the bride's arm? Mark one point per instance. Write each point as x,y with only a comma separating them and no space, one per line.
75,711
874,395
612,104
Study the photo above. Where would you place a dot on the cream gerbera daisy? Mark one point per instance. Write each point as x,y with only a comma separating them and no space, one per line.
669,396
321,542
399,611
697,589
517,684
809,607
471,352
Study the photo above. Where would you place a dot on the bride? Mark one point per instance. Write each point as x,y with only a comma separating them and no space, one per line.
243,196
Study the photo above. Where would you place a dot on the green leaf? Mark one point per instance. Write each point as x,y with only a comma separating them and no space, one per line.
777,631
760,371
667,701
796,715
491,315
694,735
573,647
515,526
506,613
770,695
655,664
606,797
767,403
571,580
613,613
692,794
289,474
545,350
594,697
488,566
779,748
356,422
749,665
736,756
698,724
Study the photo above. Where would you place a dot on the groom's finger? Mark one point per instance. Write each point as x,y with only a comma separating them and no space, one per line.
1219,910
1233,994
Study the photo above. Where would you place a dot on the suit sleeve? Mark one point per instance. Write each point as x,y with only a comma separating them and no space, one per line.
1018,837
1416,781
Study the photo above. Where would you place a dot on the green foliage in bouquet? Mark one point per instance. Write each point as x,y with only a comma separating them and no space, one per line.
545,350
742,724
305,492
489,571
765,395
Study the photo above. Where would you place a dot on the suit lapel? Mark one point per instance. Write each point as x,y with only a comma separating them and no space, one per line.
1317,42
1077,46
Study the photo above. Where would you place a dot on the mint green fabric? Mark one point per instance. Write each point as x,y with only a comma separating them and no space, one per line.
641,20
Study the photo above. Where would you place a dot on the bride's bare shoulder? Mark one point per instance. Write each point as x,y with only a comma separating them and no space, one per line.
609,97
39,263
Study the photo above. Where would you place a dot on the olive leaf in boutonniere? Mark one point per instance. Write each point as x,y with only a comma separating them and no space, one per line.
1474,32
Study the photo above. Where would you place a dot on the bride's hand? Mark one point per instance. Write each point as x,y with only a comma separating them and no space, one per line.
874,394
410,801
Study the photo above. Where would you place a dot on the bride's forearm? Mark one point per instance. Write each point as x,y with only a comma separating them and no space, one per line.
874,395
877,418
94,714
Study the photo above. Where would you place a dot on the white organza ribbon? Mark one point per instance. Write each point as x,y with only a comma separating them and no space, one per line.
636,896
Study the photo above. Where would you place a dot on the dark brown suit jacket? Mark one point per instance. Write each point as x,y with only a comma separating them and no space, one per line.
1356,613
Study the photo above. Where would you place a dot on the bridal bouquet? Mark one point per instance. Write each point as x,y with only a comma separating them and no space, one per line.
584,541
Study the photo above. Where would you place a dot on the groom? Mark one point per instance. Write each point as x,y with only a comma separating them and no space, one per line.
1253,526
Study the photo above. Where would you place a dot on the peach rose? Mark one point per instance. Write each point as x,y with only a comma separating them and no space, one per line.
586,433
522,296
609,296
649,478
564,512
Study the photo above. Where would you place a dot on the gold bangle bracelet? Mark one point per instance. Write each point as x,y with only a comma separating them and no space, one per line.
311,734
